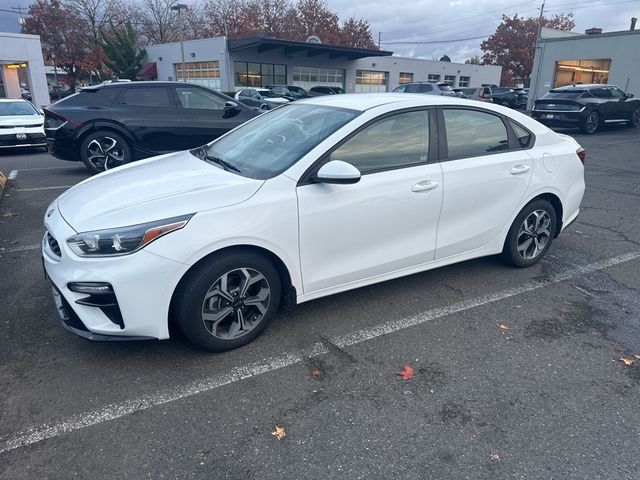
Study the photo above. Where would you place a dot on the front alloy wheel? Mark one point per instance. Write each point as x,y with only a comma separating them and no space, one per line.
236,303
227,300
635,119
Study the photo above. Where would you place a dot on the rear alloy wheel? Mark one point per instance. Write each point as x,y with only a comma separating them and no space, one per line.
531,234
591,123
635,119
228,301
104,150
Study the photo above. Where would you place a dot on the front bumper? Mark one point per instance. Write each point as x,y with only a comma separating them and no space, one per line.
22,139
142,283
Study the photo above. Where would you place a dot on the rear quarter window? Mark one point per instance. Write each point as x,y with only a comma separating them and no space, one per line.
103,97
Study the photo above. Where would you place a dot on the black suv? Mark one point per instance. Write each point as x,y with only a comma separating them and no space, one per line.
509,97
587,107
111,124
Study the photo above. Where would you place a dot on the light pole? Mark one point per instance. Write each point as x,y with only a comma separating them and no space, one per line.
178,7
55,74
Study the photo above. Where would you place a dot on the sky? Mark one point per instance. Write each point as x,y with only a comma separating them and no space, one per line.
456,22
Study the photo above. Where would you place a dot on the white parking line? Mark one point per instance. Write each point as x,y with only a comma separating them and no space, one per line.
58,187
12,174
118,410
18,249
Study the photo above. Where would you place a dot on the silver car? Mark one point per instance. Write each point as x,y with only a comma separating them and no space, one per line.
430,88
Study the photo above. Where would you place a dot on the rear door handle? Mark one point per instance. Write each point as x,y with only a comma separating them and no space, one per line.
518,169
424,186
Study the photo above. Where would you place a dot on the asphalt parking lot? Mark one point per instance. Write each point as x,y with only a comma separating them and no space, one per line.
516,372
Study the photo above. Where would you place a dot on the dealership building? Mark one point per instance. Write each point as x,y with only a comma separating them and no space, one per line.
566,58
22,53
231,64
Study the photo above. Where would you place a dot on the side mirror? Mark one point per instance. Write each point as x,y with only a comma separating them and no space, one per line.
231,104
629,95
337,171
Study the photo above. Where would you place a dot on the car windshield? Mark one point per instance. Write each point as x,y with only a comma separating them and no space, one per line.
268,145
16,108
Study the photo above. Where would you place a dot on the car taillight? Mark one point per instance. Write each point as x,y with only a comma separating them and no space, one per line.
582,154
53,121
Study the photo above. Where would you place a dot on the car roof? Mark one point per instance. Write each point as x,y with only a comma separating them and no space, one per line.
366,101
7,100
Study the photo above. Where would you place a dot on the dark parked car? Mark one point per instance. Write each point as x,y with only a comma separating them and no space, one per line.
509,97
290,92
108,125
587,107
320,90
430,88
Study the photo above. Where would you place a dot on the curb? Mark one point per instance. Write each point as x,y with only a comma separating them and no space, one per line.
3,181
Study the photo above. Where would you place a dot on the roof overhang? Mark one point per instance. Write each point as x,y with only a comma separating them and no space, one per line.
288,47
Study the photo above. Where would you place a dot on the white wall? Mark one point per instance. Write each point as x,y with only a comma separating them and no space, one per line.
420,68
21,48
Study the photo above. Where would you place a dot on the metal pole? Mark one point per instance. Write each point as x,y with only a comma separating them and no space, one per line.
184,71
55,74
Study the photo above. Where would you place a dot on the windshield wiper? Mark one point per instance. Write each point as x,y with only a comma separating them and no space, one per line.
224,164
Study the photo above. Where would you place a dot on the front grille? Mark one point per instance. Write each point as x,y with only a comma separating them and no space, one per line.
22,126
53,245
29,138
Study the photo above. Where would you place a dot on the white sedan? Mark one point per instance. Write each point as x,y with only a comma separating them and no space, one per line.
21,125
316,197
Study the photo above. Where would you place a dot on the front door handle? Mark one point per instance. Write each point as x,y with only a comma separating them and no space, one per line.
518,169
424,186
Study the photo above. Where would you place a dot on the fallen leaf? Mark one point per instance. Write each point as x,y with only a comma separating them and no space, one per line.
495,456
503,326
406,373
315,373
279,433
627,361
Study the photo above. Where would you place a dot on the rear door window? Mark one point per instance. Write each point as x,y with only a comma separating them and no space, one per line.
471,133
191,97
147,97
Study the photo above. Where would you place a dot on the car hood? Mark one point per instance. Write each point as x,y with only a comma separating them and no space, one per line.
20,120
276,99
152,189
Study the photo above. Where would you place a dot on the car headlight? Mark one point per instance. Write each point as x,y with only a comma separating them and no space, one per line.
124,240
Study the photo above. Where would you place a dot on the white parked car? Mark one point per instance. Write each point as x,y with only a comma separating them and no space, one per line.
21,125
261,98
320,196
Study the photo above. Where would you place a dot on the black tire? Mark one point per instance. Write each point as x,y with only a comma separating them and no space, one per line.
194,299
591,122
518,238
635,119
103,150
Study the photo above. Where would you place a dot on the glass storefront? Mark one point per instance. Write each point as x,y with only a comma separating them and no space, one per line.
405,77
248,74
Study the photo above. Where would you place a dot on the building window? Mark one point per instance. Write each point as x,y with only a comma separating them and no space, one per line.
248,74
570,72
464,81
307,77
368,81
202,73
432,77
450,80
405,77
